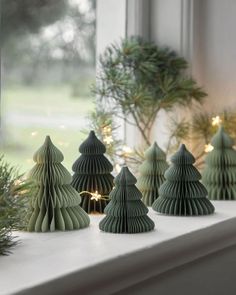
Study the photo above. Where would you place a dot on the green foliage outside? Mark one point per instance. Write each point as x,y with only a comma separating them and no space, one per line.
48,110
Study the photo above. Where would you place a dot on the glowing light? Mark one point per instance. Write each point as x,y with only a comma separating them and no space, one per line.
127,150
62,126
96,196
106,129
34,133
208,148
18,182
107,135
117,168
216,121
108,139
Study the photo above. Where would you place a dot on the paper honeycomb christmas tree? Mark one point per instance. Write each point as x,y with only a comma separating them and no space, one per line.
92,177
182,193
152,173
219,174
126,213
55,205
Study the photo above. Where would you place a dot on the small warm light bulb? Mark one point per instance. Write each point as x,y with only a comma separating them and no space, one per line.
208,148
107,130
96,196
108,139
18,182
216,121
34,133
127,149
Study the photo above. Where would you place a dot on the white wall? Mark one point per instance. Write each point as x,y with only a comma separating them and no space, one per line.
170,26
214,62
204,32
111,23
165,27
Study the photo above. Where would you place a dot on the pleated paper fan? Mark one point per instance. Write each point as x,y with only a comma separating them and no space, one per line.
219,174
182,194
126,213
56,204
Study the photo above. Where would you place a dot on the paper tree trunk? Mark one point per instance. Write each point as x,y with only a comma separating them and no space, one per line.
126,213
92,175
219,174
182,193
152,173
56,204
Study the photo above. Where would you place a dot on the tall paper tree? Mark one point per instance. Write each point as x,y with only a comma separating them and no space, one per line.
92,177
219,174
126,213
152,173
182,193
55,205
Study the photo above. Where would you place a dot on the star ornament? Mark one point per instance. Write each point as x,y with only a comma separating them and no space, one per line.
216,121
96,196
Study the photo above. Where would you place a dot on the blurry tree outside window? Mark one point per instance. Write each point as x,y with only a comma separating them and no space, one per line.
48,65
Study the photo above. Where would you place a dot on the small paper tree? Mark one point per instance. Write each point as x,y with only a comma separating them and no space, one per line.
92,177
182,193
55,205
152,173
126,213
219,174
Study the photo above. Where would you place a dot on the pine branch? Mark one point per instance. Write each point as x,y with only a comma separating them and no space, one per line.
141,78
12,205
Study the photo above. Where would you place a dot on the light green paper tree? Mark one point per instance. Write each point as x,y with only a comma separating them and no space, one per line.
182,193
55,205
152,173
126,213
219,174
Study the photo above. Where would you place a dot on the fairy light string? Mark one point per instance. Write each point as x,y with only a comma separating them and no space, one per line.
95,196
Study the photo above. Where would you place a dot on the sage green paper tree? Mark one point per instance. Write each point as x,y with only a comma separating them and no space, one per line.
152,173
219,174
182,193
126,213
56,204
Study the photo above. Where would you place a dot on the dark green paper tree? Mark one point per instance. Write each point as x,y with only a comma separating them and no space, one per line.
126,213
55,205
219,174
152,173
182,193
92,177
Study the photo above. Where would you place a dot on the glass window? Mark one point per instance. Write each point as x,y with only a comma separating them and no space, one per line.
48,66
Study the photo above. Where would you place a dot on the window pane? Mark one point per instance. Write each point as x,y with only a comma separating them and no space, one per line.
48,66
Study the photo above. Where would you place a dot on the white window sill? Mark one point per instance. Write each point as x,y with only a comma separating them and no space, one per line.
93,262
